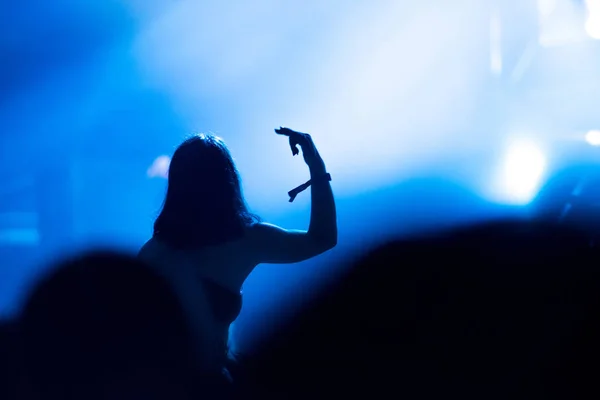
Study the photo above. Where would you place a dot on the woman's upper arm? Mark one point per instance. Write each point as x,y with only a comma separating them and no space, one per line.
274,245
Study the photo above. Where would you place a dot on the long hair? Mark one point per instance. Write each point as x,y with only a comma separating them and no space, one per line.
204,204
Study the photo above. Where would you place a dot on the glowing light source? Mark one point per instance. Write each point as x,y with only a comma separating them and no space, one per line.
160,167
522,172
593,137
592,25
593,6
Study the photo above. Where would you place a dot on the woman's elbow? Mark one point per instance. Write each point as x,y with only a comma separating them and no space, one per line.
329,242
332,241
323,243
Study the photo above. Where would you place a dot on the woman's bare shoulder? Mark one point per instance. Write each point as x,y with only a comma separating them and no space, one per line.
263,230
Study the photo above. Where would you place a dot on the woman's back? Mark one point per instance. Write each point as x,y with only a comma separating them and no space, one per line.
208,281
227,264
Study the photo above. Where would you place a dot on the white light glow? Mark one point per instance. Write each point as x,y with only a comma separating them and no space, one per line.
593,137
522,172
593,7
592,27
160,167
592,24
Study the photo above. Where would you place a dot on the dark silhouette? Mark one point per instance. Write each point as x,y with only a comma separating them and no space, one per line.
11,371
104,325
571,197
502,310
206,242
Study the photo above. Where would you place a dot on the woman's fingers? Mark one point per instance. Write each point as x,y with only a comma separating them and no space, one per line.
296,138
294,146
288,132
283,131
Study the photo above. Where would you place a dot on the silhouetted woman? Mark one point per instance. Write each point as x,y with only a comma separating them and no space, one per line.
206,242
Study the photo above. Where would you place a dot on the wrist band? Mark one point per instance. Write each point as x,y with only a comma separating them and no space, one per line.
294,192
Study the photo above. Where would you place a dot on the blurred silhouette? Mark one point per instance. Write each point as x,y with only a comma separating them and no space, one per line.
501,310
10,367
206,242
104,325
572,196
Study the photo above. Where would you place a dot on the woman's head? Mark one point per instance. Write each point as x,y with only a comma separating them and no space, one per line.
204,202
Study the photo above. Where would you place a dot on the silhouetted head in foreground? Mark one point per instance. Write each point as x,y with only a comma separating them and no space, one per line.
204,203
104,325
492,311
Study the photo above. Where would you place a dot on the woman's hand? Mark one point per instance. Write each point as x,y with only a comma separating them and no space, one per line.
309,151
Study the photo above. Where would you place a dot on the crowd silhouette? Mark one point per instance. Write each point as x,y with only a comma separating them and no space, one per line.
505,309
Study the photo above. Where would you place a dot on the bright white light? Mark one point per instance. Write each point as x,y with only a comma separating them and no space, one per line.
160,167
523,168
593,7
592,25
593,137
